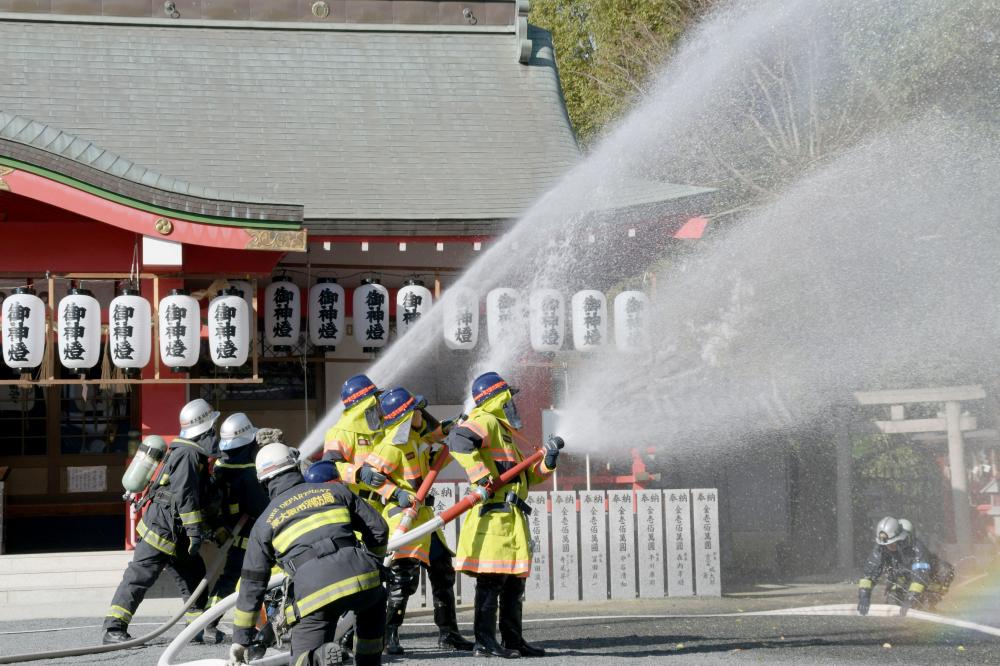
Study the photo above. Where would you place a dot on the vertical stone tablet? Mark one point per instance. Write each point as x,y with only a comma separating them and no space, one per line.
706,542
565,559
680,572
621,554
594,545
539,584
649,543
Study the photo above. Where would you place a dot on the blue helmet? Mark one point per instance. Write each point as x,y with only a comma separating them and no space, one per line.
395,404
321,472
488,385
357,388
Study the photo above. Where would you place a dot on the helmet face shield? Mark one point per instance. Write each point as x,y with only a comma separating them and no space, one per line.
373,417
510,411
889,532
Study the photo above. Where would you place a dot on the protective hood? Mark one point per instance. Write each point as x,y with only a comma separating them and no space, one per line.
355,418
399,433
501,406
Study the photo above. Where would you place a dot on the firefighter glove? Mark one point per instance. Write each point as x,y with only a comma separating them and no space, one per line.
552,446
429,500
448,424
237,655
220,535
195,545
371,476
403,498
864,600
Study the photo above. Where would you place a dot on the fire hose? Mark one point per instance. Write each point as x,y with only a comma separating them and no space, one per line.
217,565
478,494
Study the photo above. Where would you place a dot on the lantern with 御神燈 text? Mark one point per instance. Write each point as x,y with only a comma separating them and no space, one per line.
282,314
546,320
371,315
461,318
326,314
23,329
412,301
590,319
632,321
129,327
79,330
228,329
179,328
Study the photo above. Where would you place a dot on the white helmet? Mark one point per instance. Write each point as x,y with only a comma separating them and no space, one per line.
236,431
889,531
274,459
197,418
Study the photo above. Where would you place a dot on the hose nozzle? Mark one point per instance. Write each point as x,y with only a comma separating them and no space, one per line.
558,441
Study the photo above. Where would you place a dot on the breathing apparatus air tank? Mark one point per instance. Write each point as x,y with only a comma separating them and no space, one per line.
140,471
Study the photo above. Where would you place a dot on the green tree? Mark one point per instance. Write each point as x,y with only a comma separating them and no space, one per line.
608,51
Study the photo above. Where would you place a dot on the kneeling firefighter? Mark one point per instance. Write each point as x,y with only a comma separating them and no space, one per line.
173,527
235,481
309,530
494,545
396,468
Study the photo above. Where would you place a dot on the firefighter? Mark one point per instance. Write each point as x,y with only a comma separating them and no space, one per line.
898,550
321,471
404,459
173,528
235,481
494,546
353,437
308,529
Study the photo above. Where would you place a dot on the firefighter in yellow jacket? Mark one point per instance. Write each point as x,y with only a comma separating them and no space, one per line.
354,436
403,458
495,545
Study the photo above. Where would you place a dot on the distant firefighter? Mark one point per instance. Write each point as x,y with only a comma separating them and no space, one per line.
914,575
398,465
354,436
174,525
495,546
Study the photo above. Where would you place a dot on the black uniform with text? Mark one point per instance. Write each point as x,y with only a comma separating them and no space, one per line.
309,530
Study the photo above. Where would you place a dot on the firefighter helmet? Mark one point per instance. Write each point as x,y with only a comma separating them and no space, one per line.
236,431
197,417
889,531
488,385
357,388
275,459
321,471
395,404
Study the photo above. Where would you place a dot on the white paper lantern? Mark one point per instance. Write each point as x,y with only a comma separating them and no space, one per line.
180,330
632,321
461,318
79,330
282,314
371,315
590,319
504,316
326,313
412,301
547,320
23,329
129,320
228,329
246,289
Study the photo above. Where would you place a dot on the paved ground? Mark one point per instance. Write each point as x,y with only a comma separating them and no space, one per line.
653,631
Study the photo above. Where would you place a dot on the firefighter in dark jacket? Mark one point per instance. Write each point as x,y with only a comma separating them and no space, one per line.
173,528
309,530
898,550
235,481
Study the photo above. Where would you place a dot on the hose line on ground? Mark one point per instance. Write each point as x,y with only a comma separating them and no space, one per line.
100,649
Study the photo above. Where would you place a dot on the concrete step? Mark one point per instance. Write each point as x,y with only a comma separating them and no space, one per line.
59,579
59,562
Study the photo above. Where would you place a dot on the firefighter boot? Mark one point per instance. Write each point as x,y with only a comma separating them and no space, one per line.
488,588
511,604
115,636
442,578
395,612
